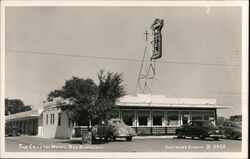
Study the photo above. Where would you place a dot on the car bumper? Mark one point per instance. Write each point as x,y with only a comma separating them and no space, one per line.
125,135
216,136
238,134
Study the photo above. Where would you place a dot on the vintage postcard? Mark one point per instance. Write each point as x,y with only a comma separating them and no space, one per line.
124,79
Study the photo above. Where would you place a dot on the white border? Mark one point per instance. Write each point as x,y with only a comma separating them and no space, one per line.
245,9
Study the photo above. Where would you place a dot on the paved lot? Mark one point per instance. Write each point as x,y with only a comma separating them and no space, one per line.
168,144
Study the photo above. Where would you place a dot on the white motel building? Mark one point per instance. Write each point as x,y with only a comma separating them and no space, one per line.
147,114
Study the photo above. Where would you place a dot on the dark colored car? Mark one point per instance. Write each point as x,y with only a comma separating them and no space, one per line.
112,129
12,131
199,128
232,130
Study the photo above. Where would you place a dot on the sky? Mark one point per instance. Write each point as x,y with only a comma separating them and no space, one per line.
45,46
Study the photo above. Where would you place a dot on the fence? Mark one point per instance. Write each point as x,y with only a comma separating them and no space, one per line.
155,130
80,130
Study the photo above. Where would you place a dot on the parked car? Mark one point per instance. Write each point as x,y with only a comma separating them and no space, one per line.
199,128
12,131
232,130
112,129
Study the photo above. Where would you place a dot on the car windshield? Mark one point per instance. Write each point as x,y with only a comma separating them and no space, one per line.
237,125
203,124
238,120
117,122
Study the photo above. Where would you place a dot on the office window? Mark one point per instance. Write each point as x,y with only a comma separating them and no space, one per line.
128,117
157,121
157,118
207,115
59,119
143,121
196,115
172,118
143,116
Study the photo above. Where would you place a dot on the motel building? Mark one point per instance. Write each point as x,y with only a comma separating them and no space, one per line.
147,114
30,122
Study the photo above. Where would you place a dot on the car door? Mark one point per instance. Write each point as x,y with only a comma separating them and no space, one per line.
193,129
227,129
189,128
105,129
100,129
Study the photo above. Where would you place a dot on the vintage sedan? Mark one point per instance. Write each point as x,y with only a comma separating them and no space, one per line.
232,130
199,128
112,129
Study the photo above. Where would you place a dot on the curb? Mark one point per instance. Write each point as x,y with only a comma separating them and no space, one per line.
134,138
154,137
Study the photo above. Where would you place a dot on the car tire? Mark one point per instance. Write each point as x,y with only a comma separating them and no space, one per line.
112,138
93,137
179,135
201,137
228,137
106,139
216,138
129,138
234,136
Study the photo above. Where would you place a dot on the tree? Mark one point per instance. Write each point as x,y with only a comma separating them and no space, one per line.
87,100
110,88
13,106
80,93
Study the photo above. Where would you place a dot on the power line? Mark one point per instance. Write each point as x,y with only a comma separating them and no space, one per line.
111,58
31,89
201,90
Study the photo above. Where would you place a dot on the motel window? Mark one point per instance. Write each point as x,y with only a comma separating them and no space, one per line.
52,118
172,118
47,119
59,119
157,118
69,122
196,115
143,117
128,117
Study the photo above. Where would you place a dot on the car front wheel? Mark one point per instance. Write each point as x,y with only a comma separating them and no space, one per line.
129,138
179,135
234,136
201,137
112,138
